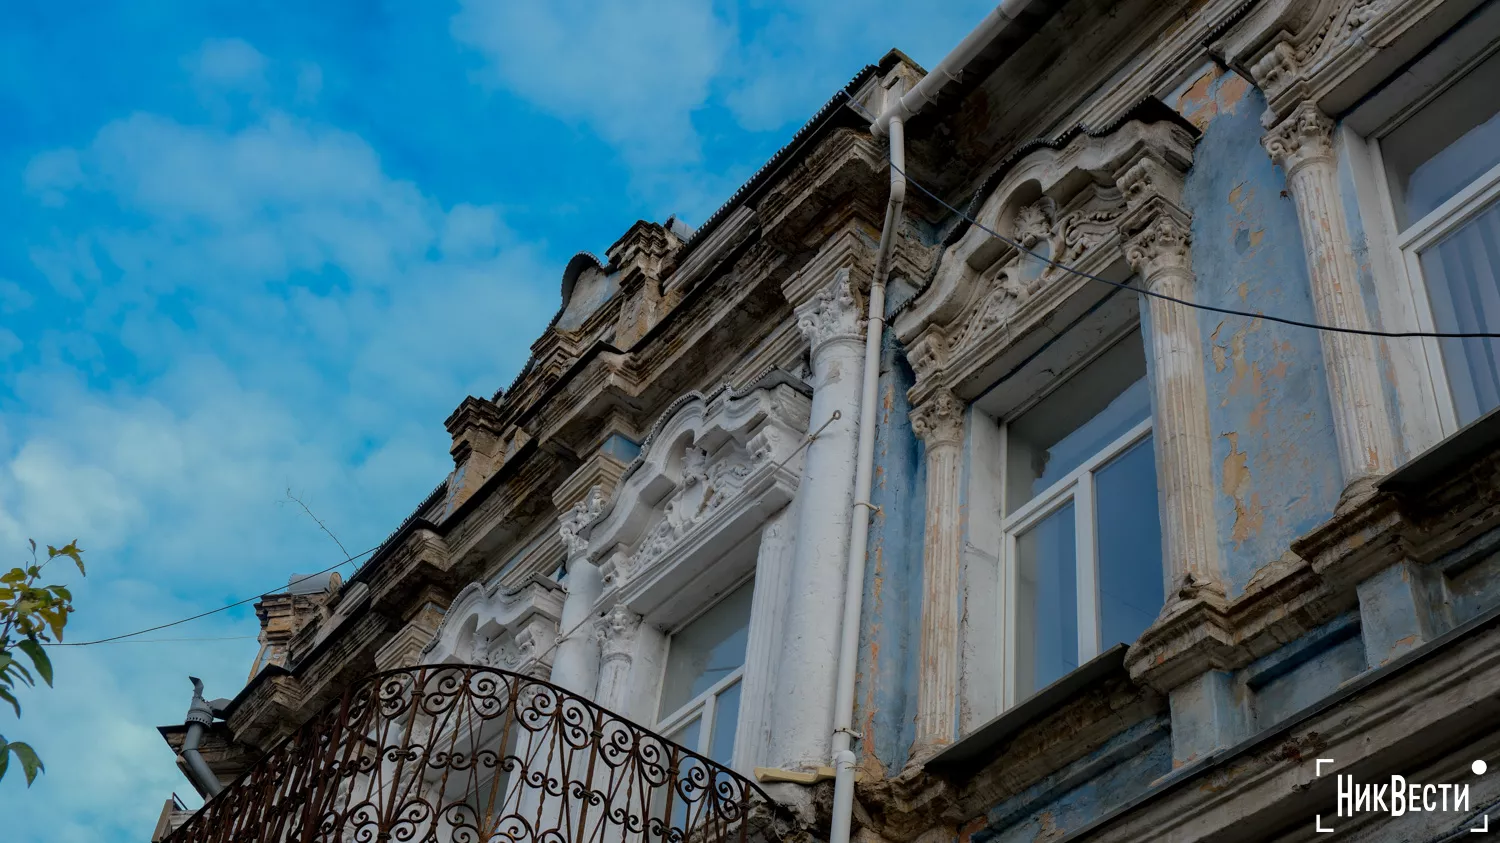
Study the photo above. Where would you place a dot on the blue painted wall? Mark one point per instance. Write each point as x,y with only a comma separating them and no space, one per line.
1120,770
886,694
1275,457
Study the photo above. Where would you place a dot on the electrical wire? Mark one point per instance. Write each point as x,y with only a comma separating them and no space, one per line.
114,638
1299,323
166,640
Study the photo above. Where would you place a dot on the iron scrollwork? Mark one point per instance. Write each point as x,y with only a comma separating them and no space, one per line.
471,754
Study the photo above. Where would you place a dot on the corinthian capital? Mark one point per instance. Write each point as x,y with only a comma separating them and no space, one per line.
940,420
615,632
1159,248
831,314
1305,136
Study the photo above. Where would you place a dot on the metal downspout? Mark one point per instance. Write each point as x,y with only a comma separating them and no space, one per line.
199,717
854,589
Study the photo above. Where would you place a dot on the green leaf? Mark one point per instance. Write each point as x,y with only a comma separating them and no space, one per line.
31,765
39,658
62,592
21,669
6,695
4,758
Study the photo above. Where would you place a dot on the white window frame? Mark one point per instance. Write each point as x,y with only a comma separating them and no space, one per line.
1077,487
706,703
1403,247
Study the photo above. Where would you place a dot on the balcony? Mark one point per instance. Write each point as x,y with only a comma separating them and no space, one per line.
468,754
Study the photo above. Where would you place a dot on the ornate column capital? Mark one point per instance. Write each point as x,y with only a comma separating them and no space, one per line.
928,356
1304,137
1161,247
616,632
939,421
831,315
1147,178
573,522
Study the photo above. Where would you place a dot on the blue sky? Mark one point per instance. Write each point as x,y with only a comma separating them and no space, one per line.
257,245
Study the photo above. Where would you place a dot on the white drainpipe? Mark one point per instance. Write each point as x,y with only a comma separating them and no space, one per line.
891,122
996,22
854,589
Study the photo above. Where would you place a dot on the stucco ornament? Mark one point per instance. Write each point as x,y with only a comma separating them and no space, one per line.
1305,136
1295,61
939,421
575,520
831,314
616,631
929,354
704,487
1160,247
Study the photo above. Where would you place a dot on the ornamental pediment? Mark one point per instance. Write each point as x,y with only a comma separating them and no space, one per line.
507,628
712,469
1070,206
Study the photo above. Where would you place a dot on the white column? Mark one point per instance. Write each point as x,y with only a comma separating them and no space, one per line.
1302,144
773,578
616,632
576,666
804,706
1157,237
939,422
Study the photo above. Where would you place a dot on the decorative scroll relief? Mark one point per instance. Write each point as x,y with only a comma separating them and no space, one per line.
831,315
1331,31
616,631
701,460
1062,238
1073,206
1305,136
511,629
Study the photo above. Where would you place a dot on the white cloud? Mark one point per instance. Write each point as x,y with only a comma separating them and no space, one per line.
257,307
633,72
228,64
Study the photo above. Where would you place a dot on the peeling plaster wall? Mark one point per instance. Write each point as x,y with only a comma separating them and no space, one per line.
886,694
1081,792
1275,456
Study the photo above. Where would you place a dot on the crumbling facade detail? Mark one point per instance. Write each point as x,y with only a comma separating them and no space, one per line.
1302,144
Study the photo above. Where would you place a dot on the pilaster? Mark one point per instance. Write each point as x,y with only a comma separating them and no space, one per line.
1158,239
1157,235
939,423
1302,144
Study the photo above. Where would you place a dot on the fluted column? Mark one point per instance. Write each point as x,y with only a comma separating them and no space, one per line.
1157,236
939,422
803,723
1302,144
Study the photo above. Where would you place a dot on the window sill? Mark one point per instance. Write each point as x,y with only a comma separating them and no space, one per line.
977,749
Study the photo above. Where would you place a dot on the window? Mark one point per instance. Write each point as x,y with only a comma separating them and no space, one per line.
1082,537
700,696
1442,170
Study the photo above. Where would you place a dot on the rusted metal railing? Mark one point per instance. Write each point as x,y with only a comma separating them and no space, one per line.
467,754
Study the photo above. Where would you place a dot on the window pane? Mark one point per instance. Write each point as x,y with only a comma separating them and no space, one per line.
1093,408
706,650
1046,602
1129,545
726,718
1445,145
1462,272
687,734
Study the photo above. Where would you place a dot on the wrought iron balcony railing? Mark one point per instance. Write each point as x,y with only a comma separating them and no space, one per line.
466,754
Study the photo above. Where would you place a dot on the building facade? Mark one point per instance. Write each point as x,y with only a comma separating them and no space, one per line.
1150,555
